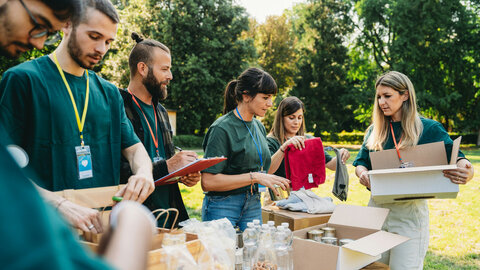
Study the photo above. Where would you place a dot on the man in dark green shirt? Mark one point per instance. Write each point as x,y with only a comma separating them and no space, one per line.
70,121
150,63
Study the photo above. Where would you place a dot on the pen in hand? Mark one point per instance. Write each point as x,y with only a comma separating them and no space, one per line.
178,148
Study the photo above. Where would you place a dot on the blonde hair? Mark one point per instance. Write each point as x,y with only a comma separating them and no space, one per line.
287,107
411,124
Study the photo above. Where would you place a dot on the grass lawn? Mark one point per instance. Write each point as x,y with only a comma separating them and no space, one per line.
454,224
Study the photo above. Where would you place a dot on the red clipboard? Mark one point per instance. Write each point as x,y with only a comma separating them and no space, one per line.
195,166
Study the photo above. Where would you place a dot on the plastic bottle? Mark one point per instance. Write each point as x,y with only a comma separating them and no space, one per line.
257,225
265,257
289,234
280,243
250,239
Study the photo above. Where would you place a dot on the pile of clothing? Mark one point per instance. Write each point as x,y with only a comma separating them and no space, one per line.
307,201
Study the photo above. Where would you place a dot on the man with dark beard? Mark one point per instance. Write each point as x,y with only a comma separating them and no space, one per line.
150,63
71,122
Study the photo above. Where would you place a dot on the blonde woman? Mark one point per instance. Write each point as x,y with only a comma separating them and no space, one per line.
397,124
289,128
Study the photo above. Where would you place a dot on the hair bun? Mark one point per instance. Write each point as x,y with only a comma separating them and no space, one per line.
136,37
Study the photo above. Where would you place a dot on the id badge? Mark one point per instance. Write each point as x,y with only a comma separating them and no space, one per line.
84,162
157,158
262,188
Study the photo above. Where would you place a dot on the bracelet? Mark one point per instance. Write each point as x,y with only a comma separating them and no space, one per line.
60,203
460,158
283,151
251,183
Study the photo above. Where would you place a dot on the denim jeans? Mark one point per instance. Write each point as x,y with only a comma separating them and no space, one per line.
239,209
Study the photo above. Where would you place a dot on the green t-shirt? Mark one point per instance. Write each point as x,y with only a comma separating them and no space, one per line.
274,145
229,137
161,196
433,131
37,112
148,140
33,234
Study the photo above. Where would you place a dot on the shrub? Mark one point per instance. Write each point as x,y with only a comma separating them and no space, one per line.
188,141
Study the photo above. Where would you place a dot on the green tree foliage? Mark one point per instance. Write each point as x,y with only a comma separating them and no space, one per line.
436,43
322,28
207,52
275,43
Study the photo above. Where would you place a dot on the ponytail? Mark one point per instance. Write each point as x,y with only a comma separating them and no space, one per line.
230,99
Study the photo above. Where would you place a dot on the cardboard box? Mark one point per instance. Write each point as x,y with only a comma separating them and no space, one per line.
157,257
425,180
362,224
296,220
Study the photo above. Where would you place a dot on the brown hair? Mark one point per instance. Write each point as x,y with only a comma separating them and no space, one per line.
286,107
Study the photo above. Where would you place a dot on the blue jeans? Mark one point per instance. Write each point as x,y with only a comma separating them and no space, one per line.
239,209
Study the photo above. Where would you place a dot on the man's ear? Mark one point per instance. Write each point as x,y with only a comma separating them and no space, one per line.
67,28
142,69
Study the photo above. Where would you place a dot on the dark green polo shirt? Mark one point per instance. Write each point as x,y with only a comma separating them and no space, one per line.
229,137
433,131
36,110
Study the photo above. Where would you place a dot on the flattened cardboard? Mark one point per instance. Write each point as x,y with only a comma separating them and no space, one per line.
295,220
370,217
376,243
423,181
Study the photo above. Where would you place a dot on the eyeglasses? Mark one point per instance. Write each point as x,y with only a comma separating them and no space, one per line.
40,30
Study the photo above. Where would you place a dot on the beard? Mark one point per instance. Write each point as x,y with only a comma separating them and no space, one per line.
158,89
76,52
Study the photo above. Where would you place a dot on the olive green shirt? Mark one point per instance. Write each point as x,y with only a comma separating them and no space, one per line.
433,131
274,145
229,137
37,112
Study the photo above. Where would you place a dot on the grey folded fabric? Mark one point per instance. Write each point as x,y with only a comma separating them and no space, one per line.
340,187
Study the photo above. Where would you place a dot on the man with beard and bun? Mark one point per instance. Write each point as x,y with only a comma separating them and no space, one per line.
71,122
150,63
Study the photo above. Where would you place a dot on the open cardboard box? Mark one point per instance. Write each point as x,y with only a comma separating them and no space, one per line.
295,220
425,180
360,223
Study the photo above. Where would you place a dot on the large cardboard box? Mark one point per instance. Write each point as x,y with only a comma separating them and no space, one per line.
425,180
296,220
360,223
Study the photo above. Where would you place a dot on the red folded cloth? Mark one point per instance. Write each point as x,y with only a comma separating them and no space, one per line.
305,168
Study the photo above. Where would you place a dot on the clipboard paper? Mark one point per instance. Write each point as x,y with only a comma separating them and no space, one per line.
195,166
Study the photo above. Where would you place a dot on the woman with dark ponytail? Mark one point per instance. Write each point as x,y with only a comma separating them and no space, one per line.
232,186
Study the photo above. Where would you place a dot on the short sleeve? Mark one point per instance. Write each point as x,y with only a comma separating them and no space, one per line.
363,156
216,144
14,105
273,145
328,157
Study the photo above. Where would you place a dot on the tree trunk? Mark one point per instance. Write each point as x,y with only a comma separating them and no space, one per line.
478,138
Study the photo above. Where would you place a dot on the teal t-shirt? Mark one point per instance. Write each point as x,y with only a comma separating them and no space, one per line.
37,112
274,145
229,137
148,140
33,234
433,131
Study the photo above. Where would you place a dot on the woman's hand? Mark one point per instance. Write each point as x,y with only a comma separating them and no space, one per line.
344,155
362,173
270,180
297,141
462,174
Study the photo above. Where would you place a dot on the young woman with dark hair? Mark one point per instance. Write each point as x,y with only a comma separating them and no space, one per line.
232,186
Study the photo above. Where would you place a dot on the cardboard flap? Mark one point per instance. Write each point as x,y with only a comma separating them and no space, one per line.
91,197
429,154
455,149
376,243
413,169
359,216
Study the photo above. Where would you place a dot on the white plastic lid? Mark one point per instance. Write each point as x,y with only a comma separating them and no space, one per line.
250,224
255,221
280,228
265,226
271,223
285,224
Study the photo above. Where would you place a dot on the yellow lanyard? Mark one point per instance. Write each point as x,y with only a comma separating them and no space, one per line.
81,123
